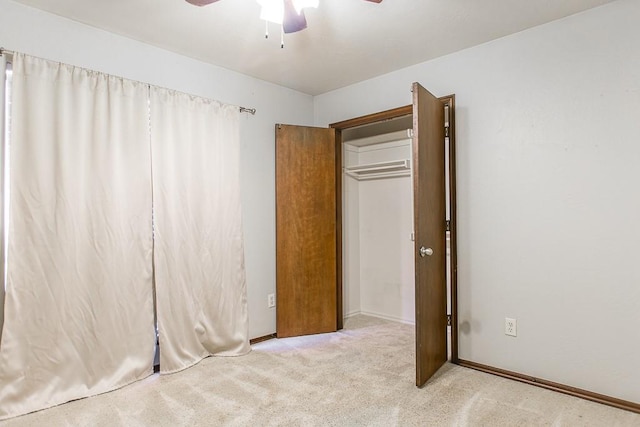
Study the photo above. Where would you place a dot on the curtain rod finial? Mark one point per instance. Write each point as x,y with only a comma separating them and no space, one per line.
4,51
251,111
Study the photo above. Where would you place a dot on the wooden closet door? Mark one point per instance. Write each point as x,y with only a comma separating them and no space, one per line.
307,234
430,233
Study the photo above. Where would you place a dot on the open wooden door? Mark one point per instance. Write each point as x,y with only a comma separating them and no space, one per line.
430,233
307,231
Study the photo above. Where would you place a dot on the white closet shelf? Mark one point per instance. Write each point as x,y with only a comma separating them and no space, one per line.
379,170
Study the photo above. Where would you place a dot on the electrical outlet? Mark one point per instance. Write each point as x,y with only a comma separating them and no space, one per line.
510,327
271,300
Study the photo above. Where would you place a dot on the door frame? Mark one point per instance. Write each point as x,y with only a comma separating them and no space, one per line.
448,101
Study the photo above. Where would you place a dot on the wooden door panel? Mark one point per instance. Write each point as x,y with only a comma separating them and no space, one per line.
430,233
306,231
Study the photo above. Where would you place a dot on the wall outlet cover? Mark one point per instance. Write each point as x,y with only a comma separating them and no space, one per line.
510,327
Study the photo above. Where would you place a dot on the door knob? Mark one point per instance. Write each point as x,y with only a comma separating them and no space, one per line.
425,251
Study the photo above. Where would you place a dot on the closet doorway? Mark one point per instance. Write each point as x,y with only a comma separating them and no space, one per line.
312,195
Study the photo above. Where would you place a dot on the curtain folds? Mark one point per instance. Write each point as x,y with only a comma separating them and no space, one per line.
79,303
199,258
3,71
92,156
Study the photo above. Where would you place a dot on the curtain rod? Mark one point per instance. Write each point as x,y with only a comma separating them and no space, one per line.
251,111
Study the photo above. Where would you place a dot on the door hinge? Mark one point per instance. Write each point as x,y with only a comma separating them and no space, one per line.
446,131
448,320
448,224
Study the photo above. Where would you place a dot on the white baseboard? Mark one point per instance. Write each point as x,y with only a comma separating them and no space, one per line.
351,314
380,316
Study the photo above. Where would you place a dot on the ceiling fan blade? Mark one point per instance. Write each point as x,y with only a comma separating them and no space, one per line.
293,22
376,1
201,2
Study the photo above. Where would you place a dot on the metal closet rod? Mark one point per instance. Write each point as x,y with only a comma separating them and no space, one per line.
251,111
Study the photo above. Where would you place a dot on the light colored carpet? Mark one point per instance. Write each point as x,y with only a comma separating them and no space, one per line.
361,376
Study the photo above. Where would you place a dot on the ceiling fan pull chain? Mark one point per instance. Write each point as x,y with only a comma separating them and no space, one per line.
266,29
282,37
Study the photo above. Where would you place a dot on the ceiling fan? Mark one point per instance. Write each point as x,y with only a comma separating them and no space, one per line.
289,12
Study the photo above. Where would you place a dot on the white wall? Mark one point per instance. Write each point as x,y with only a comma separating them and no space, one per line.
350,235
48,36
548,126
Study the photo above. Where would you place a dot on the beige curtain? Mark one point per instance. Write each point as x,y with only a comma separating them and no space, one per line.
199,261
3,70
79,307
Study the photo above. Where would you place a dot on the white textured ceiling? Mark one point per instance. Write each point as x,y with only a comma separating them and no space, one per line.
347,40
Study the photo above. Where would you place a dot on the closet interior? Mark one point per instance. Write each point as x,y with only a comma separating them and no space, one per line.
378,247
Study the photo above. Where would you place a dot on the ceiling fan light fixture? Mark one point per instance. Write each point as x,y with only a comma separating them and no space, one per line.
272,10
289,14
